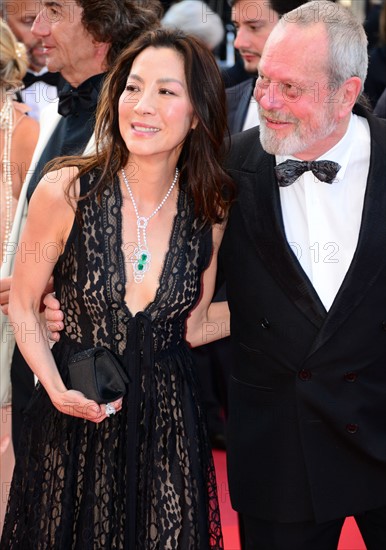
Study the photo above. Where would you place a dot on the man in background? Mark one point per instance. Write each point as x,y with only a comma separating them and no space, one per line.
40,86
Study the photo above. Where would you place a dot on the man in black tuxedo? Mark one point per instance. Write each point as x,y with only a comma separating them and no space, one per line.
305,267
253,21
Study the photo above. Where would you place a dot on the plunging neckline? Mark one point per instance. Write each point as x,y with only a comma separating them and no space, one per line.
121,256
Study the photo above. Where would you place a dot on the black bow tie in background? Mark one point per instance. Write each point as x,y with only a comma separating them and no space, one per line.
49,78
289,171
72,100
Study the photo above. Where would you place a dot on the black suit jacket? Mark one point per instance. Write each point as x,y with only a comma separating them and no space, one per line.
380,108
238,99
307,409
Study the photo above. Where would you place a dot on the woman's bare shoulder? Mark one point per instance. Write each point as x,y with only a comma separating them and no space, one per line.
25,130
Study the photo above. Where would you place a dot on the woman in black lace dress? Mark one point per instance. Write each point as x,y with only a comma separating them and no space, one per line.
131,235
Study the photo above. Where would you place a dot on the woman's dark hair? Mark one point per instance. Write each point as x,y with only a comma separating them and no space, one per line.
200,160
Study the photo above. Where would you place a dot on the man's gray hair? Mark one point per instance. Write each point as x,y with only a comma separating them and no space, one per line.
347,40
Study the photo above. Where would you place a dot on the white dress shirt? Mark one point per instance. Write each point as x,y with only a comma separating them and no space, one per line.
38,95
321,220
252,117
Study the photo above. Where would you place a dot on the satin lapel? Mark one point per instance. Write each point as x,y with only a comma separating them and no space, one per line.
259,202
370,255
49,119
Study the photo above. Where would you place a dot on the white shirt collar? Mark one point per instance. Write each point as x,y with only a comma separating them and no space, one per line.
39,73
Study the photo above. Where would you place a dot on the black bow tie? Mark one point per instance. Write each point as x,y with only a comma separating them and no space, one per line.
49,78
289,171
72,100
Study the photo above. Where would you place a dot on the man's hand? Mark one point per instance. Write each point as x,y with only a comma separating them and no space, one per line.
54,317
5,287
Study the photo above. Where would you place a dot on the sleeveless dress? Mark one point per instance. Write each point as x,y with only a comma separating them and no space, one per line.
144,478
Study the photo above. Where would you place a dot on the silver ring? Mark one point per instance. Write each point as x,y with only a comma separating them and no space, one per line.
110,409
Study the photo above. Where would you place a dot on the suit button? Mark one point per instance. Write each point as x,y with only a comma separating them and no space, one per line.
305,375
265,323
352,428
383,325
350,376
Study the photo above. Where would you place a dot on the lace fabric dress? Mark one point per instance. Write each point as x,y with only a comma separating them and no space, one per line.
144,478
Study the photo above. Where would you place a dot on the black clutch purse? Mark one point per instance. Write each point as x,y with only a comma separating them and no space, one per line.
98,375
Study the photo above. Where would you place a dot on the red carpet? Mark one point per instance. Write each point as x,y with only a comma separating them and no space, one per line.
349,540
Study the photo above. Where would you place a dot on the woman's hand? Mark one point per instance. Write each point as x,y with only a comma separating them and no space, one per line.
74,403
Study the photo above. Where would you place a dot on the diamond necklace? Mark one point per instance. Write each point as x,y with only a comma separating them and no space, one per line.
141,254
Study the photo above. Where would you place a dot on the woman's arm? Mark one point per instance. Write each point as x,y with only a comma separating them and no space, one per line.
209,321
49,221
24,140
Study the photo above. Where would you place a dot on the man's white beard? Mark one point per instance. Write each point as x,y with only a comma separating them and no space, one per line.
300,139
